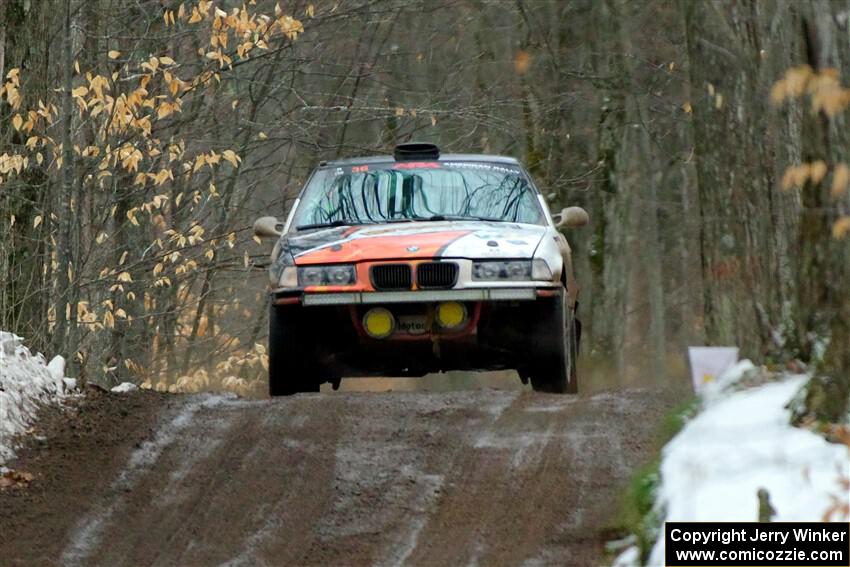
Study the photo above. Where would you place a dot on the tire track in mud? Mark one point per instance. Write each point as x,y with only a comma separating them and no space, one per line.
401,478
497,505
236,468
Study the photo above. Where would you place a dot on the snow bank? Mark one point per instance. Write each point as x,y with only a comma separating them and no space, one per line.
26,380
124,388
741,442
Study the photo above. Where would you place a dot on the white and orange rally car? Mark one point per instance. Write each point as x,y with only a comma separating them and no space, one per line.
419,262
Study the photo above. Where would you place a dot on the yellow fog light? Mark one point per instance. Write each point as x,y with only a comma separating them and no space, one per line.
379,323
451,314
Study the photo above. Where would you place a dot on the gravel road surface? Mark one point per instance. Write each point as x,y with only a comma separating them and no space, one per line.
399,478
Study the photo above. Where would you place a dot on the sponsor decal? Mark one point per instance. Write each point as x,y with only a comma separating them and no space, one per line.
482,166
417,165
378,242
412,324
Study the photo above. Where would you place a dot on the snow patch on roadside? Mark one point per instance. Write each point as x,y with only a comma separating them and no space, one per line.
124,388
742,441
26,381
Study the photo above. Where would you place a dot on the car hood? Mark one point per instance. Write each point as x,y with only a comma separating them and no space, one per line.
449,239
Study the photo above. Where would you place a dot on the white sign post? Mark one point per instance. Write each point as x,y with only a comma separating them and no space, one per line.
708,363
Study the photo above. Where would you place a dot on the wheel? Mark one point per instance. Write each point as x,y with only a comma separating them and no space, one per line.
554,348
290,368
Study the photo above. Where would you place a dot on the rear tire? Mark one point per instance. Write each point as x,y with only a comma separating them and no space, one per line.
554,349
292,368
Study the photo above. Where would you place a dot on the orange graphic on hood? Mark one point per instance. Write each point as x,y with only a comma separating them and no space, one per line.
388,247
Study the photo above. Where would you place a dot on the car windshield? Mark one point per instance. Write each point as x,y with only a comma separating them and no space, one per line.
417,191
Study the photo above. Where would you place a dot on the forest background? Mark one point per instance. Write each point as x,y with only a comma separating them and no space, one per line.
140,139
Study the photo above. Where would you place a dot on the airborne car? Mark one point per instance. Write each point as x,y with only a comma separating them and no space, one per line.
419,262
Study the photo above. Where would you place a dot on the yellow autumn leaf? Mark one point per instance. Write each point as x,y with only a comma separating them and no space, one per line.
163,176
165,109
109,320
841,227
817,171
310,11
82,90
37,221
796,176
166,60
231,156
840,179
125,277
17,121
114,54
522,62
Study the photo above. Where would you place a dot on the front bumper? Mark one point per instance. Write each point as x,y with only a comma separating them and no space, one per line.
373,297
418,296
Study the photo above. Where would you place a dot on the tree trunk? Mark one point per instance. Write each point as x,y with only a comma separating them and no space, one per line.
729,85
824,260
66,296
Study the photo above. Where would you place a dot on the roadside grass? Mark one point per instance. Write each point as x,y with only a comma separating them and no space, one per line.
635,516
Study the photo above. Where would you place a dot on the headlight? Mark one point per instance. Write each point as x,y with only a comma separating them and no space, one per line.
504,270
541,271
289,277
343,274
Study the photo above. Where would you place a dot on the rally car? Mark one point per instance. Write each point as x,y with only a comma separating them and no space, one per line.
420,262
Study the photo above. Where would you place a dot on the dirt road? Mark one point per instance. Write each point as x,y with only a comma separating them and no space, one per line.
413,478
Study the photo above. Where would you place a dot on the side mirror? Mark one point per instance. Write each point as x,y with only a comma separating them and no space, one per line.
268,227
571,217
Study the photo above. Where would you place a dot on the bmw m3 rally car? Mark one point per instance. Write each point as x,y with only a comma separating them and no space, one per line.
419,262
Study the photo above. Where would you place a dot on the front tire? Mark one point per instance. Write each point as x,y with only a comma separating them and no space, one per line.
290,354
553,369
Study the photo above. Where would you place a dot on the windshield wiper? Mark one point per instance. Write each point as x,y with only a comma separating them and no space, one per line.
329,224
459,218
420,219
